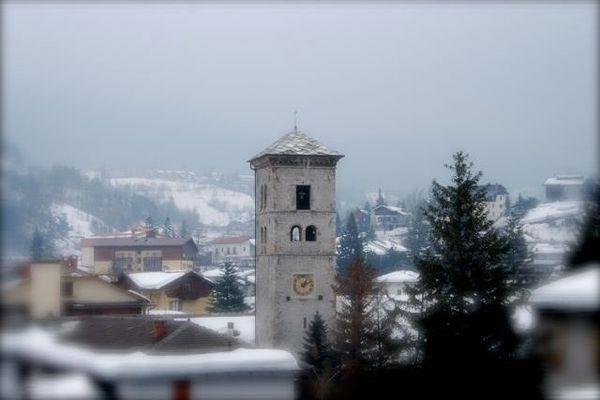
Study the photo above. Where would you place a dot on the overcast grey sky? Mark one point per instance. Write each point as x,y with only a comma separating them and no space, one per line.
397,87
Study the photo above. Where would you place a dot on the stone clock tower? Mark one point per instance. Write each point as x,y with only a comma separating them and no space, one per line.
295,238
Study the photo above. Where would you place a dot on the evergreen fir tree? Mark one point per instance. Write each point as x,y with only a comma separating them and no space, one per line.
317,351
37,246
521,206
587,248
339,227
62,227
168,230
517,255
367,321
380,200
464,285
227,295
150,227
355,330
184,231
350,246
417,237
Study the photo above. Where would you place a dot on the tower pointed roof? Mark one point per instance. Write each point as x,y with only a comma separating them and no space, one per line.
297,143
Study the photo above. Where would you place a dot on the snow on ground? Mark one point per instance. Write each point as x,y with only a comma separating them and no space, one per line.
80,226
79,221
243,323
548,212
216,206
550,232
382,247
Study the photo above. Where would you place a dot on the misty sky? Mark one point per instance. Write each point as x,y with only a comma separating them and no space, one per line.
397,87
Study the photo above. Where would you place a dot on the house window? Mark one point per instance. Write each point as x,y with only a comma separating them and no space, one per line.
152,261
295,234
175,305
67,289
302,197
311,233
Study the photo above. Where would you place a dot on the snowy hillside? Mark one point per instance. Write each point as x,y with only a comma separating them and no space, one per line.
216,206
81,224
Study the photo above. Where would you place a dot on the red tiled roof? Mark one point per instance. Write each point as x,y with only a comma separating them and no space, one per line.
231,239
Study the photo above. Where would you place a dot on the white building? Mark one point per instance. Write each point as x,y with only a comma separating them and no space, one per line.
564,187
567,329
387,218
496,201
396,282
239,250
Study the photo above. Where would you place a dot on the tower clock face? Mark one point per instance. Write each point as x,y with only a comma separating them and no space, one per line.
303,284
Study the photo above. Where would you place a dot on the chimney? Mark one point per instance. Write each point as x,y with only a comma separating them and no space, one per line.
159,331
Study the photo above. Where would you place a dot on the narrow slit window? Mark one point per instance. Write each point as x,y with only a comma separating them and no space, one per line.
295,234
302,197
311,233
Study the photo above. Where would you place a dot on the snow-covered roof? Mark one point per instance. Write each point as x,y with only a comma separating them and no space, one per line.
550,248
552,211
297,143
392,209
61,387
565,180
154,280
231,240
577,291
399,277
216,273
42,346
243,323
382,247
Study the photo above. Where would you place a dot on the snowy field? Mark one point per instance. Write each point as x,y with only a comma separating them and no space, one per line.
216,206
80,224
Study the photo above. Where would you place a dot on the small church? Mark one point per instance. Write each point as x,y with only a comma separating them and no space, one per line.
295,238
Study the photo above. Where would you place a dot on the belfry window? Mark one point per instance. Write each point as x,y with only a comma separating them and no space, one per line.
302,197
295,234
311,233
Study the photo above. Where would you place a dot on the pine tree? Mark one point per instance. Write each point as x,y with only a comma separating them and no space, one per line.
521,206
227,295
417,237
464,284
317,351
380,200
320,356
354,329
184,231
350,246
168,230
587,248
367,321
150,227
37,246
517,255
